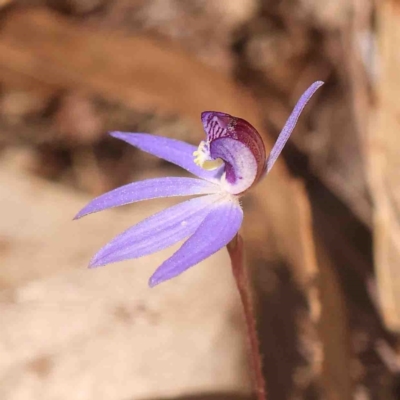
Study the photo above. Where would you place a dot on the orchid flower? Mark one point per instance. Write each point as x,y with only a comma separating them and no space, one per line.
230,161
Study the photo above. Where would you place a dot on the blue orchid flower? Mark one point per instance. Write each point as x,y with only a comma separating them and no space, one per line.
229,162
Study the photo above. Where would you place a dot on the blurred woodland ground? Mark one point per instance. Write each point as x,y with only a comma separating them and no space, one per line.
322,232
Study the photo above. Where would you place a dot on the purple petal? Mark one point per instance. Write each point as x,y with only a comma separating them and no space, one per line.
290,125
217,230
157,232
239,145
172,150
149,189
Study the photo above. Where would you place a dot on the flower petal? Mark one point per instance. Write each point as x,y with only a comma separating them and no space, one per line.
290,125
149,189
217,230
157,232
238,144
172,150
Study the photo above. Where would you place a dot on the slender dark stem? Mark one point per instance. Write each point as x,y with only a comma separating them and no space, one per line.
235,250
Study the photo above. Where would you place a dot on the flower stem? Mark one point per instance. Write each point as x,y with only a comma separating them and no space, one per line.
235,250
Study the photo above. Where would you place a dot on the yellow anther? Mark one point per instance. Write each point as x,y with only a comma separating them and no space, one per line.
201,158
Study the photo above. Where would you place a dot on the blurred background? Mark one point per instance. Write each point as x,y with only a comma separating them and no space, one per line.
322,232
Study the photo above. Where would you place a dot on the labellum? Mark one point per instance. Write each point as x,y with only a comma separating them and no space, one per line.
234,146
